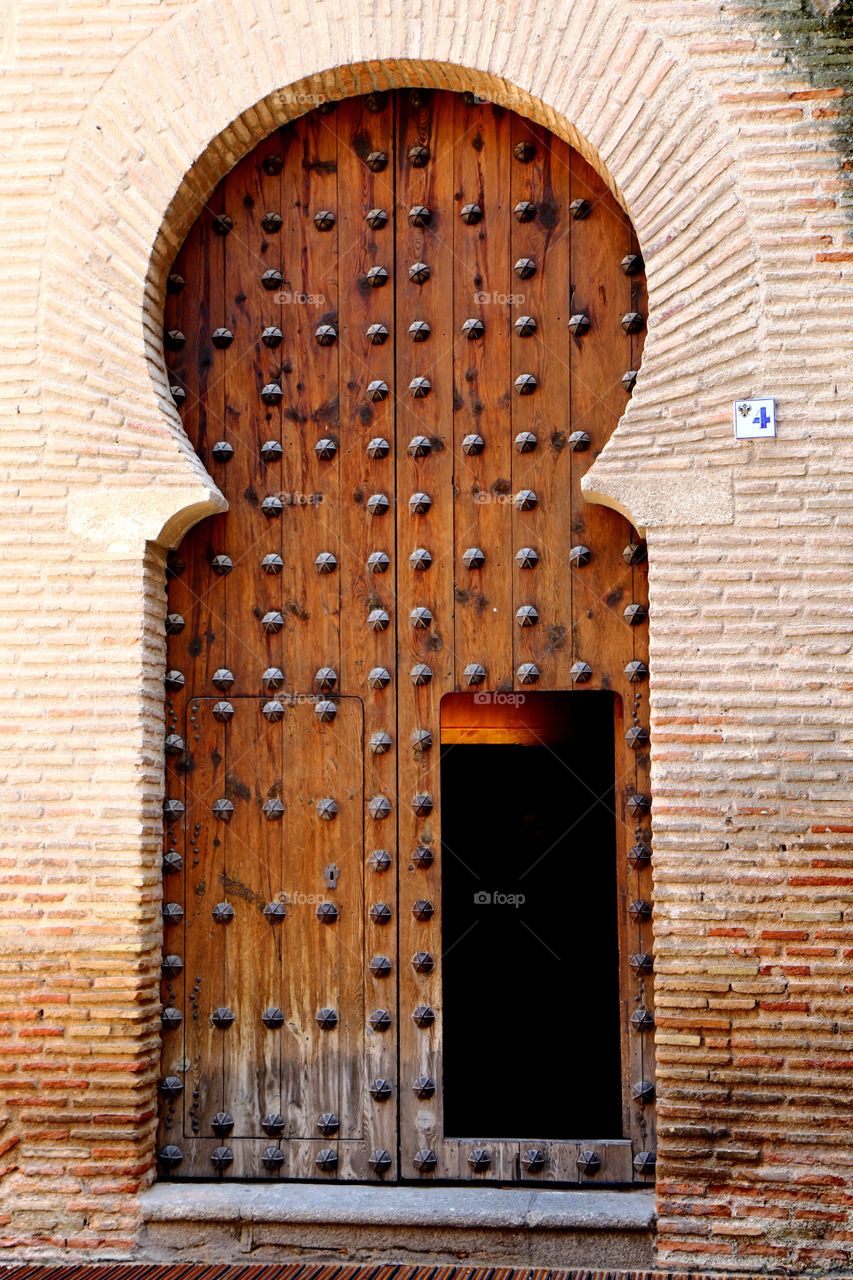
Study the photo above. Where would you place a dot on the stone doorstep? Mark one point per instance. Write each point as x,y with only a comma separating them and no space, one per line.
243,1222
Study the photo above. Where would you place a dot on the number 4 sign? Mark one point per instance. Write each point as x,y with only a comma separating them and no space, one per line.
755,419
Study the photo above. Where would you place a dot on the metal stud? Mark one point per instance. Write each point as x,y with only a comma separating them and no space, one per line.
272,1158
423,857
637,737
420,559
378,562
420,388
472,445
419,215
272,222
379,860
273,1018
273,1124
479,1159
639,856
272,336
420,503
380,1090
643,1092
272,279
380,913
272,678
474,674
271,393
423,909
222,679
419,98
325,711
579,323
632,322
272,165
419,331
376,161
423,1016
326,335
420,618
273,809
377,277
424,1087
525,500
635,553
527,558
589,1163
473,328
640,910
221,1158
174,340
327,913
378,504
579,556
174,681
422,803
420,674
222,338
222,1123
527,673
273,711
275,912
326,1019
379,1161
173,913
423,962
376,101
174,283
425,1160
642,963
634,615
173,863
632,264
525,211
377,389
524,268
379,677
171,1086
328,1123
525,326
170,1156
645,1162
474,558
271,451
171,1019
580,209
379,966
380,1020
524,152
642,1020
471,214
580,673
378,619
376,219
173,810
419,273
327,1160
325,678
171,966
222,224
324,219
533,1160
175,566
380,742
327,809
223,1017
527,615
272,622
272,563
579,442
377,335
378,448
636,672
379,807
174,624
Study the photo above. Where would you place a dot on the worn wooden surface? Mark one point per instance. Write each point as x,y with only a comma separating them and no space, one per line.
275,631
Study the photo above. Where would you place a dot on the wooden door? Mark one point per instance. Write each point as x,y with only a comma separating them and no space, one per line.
398,335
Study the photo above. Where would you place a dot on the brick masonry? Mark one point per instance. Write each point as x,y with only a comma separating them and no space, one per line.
724,127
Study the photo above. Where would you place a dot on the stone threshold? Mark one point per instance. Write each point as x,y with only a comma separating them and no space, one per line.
244,1222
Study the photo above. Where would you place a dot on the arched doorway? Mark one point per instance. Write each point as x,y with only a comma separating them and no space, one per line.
408,668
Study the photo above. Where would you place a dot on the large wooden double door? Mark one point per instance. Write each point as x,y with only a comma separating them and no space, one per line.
398,335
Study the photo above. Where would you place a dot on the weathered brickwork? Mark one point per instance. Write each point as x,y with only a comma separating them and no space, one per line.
725,129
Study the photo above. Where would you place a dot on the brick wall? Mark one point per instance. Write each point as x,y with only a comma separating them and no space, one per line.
725,128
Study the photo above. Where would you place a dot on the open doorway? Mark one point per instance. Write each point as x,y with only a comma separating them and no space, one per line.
530,923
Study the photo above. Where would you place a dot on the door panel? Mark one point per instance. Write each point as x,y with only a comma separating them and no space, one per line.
398,336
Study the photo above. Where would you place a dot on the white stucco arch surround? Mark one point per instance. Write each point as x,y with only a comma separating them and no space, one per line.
183,106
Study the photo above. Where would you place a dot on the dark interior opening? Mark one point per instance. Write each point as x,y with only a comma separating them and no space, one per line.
530,924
